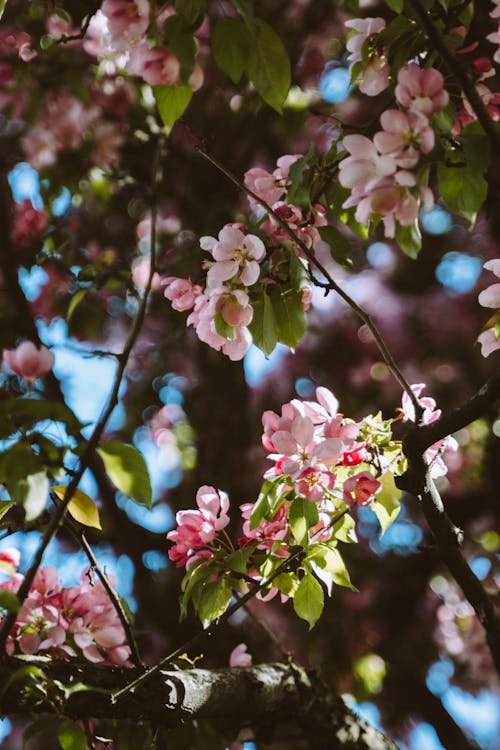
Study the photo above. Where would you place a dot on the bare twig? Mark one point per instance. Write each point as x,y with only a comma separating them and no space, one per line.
80,537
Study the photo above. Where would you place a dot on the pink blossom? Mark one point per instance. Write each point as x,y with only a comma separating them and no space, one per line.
40,147
490,297
197,528
404,137
365,167
374,77
361,489
181,292
299,446
29,223
239,656
29,362
267,533
140,274
235,255
127,20
489,342
430,414
312,483
154,64
421,89
306,297
263,184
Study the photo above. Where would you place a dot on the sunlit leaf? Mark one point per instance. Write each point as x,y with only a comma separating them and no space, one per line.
127,470
81,507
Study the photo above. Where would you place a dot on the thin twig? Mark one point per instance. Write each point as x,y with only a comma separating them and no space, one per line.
266,628
330,284
80,537
59,515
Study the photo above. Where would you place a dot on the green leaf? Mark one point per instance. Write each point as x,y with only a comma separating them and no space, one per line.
238,560
344,529
231,47
263,326
5,505
182,44
71,737
223,328
3,3
309,599
127,470
81,507
463,189
9,601
268,66
26,412
303,515
289,315
214,600
395,5
191,12
340,247
330,559
244,8
172,102
269,501
195,576
409,239
74,302
386,505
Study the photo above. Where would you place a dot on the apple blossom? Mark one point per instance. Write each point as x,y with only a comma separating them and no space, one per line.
235,254
361,488
374,76
239,656
28,361
197,528
490,297
421,89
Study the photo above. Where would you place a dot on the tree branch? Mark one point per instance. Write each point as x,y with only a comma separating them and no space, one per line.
456,69
266,695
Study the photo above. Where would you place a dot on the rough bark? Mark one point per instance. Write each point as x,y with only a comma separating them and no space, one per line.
269,696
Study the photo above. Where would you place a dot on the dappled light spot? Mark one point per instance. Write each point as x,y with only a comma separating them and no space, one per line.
335,83
458,272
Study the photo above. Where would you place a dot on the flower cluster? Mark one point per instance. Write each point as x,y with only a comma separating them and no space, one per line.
272,188
490,297
29,362
433,454
378,172
76,621
118,32
324,465
222,311
372,68
197,529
